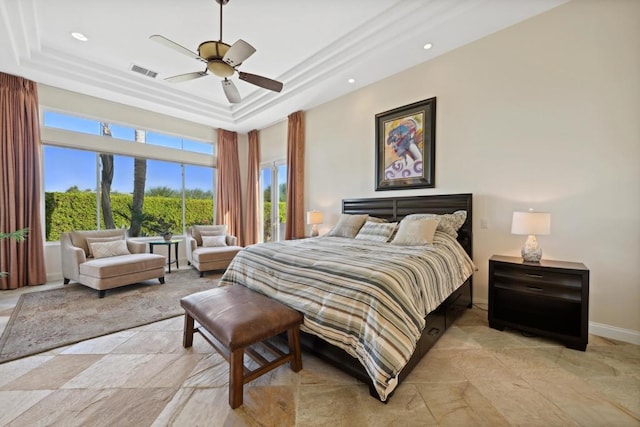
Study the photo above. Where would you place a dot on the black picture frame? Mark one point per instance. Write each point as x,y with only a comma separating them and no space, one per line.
406,147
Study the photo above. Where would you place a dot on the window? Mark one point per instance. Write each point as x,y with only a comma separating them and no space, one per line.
70,193
106,188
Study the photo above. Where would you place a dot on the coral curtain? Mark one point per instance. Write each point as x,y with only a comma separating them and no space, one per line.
228,192
252,219
295,176
20,183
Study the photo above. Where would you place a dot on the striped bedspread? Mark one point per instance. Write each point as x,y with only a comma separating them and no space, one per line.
368,298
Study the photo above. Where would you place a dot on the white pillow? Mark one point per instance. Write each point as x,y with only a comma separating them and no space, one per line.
449,223
214,241
91,240
208,230
348,225
416,232
377,231
109,249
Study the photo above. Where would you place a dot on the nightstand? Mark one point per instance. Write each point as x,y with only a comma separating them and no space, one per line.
550,298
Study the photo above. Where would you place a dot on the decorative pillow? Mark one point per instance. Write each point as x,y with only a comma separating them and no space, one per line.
416,232
348,225
214,241
79,237
91,240
449,223
109,249
377,231
208,230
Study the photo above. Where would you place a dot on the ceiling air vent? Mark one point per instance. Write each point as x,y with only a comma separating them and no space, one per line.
138,69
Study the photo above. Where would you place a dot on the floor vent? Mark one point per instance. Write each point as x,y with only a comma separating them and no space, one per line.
142,70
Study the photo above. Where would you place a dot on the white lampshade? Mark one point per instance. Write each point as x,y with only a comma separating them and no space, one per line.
314,217
526,223
531,223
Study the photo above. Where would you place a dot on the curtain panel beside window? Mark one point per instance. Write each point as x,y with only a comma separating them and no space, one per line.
228,194
20,183
295,176
253,196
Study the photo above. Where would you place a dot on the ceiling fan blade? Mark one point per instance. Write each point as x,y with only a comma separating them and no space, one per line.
185,77
175,46
238,53
231,91
264,82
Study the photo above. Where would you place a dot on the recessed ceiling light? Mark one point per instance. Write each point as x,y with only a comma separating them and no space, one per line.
351,80
427,46
79,36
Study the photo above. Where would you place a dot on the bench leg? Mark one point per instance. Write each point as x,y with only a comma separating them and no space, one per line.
293,335
187,337
236,377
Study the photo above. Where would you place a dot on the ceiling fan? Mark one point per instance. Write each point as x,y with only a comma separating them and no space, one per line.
222,60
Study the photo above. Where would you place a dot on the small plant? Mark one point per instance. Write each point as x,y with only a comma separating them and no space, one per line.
18,236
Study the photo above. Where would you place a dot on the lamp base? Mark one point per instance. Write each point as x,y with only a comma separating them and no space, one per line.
314,231
531,252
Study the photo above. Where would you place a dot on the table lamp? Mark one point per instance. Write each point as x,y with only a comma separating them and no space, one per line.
314,218
531,224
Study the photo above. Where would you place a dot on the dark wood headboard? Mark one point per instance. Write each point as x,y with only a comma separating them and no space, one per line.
396,208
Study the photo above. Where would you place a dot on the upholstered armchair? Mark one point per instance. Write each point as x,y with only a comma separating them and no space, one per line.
209,247
106,259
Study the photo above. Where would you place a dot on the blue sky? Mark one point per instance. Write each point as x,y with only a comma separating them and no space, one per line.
65,168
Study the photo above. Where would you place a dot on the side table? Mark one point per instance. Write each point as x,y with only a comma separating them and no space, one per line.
168,244
549,298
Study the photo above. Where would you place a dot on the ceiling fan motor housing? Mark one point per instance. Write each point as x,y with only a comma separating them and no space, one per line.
213,52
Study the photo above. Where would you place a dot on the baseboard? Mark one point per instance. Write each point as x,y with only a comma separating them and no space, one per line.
599,329
615,333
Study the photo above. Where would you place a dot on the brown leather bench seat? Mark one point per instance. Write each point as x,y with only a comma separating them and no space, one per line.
234,319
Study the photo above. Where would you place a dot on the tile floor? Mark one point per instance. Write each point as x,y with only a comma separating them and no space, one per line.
473,376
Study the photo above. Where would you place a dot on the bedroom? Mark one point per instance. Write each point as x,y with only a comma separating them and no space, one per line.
519,125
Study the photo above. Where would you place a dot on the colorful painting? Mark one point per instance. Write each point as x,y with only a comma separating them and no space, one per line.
405,138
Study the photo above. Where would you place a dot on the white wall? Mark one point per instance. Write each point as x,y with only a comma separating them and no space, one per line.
543,114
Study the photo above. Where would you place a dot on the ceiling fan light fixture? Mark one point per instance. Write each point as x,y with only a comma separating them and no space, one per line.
220,68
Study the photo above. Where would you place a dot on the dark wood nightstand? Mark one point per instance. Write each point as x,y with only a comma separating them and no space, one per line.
550,298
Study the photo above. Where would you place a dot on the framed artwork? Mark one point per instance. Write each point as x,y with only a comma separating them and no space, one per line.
406,146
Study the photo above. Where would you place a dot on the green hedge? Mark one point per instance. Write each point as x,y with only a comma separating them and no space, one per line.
77,211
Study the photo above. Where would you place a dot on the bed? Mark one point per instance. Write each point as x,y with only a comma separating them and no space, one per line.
371,319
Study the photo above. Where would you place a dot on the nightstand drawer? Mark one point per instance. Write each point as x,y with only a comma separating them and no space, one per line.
537,277
547,283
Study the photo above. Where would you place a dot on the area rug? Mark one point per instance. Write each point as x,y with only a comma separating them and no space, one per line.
46,320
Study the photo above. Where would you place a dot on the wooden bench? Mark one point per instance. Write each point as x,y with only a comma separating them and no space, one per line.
235,320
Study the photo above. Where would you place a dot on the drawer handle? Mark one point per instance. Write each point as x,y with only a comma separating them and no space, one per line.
537,276
535,288
434,331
